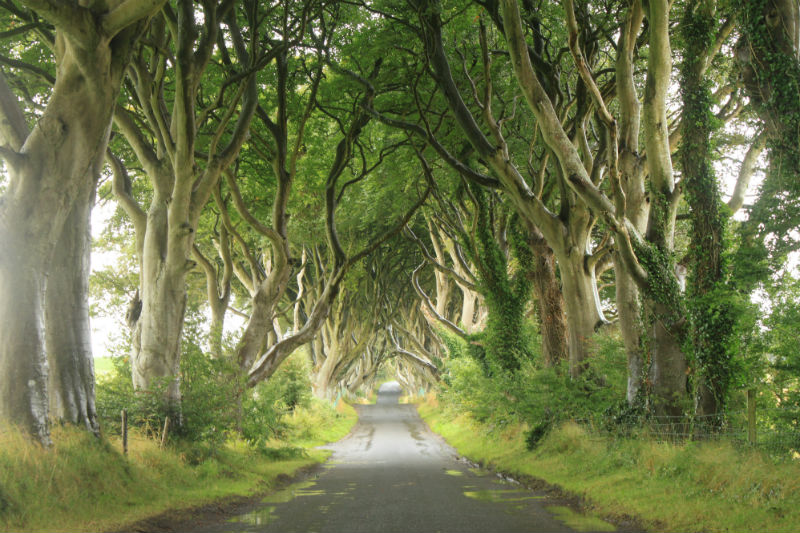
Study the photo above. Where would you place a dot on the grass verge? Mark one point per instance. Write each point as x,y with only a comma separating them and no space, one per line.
691,487
85,484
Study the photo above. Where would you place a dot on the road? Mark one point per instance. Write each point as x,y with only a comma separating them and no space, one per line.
393,474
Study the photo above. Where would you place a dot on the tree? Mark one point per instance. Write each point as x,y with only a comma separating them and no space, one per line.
166,141
711,299
52,167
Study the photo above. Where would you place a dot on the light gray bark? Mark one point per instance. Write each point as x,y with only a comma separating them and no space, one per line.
583,316
23,365
181,184
569,238
218,288
667,359
68,333
443,286
634,201
48,168
668,367
155,357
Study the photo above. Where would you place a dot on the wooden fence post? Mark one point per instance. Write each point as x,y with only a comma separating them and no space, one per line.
124,432
164,433
751,416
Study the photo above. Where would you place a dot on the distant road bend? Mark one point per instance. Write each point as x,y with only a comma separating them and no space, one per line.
393,474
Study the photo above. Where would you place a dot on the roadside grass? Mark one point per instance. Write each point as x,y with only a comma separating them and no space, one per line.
411,399
85,484
708,486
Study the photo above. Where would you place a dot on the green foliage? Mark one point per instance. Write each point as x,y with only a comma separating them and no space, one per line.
114,392
502,345
211,390
539,396
662,284
83,483
781,401
712,301
207,387
772,78
710,486
264,408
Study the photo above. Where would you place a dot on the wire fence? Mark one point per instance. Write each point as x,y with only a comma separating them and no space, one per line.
775,431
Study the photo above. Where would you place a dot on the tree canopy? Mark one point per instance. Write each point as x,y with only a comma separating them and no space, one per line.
383,183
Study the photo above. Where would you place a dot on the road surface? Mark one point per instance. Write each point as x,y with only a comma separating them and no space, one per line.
393,474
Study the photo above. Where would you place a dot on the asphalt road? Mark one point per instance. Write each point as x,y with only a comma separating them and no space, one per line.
393,474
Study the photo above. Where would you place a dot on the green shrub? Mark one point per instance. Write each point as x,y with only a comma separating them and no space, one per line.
262,413
214,400
264,407
540,396
114,392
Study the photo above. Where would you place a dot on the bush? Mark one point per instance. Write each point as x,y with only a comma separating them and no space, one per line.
262,413
207,389
264,407
214,400
114,392
539,396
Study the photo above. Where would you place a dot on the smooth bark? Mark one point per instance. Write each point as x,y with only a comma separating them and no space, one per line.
49,167
68,333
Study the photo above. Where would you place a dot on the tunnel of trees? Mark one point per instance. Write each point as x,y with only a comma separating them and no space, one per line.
546,193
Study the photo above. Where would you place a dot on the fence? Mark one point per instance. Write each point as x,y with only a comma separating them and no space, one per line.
775,431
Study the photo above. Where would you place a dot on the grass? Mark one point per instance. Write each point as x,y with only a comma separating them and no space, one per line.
103,365
692,487
85,484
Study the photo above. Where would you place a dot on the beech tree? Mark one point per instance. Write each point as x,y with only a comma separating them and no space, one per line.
642,225
52,166
182,165
569,229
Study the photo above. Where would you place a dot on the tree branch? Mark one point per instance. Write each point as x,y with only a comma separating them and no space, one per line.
121,187
69,17
144,152
13,128
127,13
436,264
429,305
238,201
746,172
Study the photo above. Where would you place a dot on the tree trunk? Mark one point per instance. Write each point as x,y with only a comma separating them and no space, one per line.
323,375
664,300
23,365
53,166
266,296
668,366
68,335
550,300
583,314
48,167
629,309
218,309
632,185
155,355
269,362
